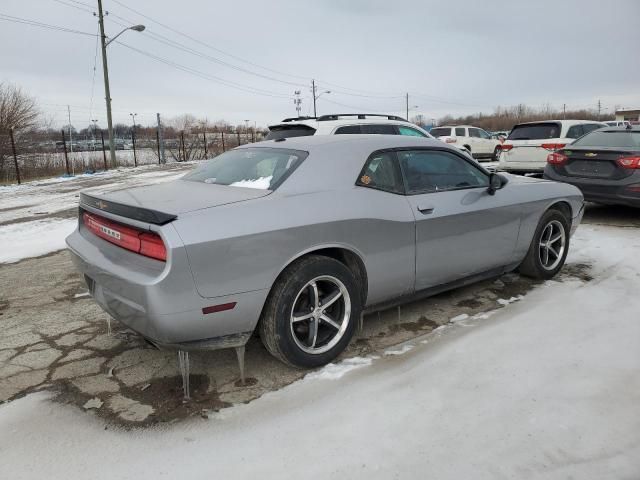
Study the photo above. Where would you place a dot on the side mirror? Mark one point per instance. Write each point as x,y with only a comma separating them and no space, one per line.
495,183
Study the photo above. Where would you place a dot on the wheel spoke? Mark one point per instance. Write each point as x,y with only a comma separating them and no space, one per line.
300,318
314,298
555,253
331,299
327,319
313,333
555,238
545,256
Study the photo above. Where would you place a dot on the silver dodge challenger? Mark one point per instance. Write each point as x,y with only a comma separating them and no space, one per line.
298,237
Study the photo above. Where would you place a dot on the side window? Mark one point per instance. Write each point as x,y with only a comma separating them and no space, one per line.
460,132
412,132
381,172
575,131
378,129
428,171
348,129
590,127
484,134
474,132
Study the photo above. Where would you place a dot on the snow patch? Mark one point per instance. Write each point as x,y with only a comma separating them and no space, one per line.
504,302
261,183
333,371
459,318
399,351
32,239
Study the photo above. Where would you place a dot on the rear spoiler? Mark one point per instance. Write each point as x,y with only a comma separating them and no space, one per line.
128,211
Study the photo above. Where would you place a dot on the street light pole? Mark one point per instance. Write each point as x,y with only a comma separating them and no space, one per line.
107,92
105,71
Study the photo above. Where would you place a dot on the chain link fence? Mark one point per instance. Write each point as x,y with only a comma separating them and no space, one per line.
34,156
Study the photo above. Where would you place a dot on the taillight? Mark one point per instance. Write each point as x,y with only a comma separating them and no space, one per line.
629,162
557,159
151,245
553,146
450,140
504,147
148,244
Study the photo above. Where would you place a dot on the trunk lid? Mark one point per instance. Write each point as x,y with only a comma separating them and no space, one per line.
600,163
162,203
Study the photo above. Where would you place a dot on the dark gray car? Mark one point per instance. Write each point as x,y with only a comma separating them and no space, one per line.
297,237
604,165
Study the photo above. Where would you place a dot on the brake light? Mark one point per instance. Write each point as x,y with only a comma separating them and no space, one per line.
557,159
148,244
504,147
629,162
553,146
450,140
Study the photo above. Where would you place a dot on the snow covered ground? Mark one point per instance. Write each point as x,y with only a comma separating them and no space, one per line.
46,201
546,387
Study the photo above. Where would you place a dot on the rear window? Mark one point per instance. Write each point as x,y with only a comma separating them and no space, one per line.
535,131
288,131
440,132
261,168
616,139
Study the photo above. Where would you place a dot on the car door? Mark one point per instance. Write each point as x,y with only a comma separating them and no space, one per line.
461,230
477,145
487,144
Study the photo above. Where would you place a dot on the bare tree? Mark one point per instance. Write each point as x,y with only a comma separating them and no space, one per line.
18,111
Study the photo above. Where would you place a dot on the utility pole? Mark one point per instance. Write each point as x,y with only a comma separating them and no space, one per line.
107,90
160,140
15,156
133,139
564,111
599,109
313,93
70,137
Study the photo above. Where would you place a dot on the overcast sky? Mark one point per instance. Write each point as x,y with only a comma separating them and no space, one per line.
453,57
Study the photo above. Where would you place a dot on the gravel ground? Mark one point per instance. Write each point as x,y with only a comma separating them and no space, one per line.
54,337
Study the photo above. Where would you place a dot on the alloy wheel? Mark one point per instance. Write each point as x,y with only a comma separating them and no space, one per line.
320,315
552,244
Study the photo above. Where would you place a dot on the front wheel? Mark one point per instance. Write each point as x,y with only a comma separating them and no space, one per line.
549,248
496,154
311,312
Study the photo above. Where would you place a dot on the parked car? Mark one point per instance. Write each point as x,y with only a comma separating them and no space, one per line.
475,140
604,165
526,148
615,123
340,124
502,136
297,237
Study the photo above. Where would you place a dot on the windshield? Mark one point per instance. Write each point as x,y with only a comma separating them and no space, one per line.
615,139
288,131
261,168
535,131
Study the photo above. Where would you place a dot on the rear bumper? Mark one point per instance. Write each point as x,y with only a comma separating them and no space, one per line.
612,192
159,301
520,167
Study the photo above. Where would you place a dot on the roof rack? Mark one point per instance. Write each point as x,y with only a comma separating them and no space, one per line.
361,116
295,119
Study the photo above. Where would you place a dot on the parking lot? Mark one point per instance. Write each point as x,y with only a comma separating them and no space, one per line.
55,338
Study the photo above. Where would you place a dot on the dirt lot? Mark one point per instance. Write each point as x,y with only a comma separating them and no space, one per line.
54,337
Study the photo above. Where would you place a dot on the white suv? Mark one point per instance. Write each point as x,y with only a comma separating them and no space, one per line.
475,140
526,148
344,124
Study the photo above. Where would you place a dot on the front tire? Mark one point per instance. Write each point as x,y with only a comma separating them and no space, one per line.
311,313
549,247
496,154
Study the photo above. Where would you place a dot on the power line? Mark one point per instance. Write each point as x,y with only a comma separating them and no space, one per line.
61,2
213,78
33,23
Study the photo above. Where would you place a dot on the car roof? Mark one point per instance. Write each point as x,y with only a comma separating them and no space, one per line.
314,123
459,126
563,122
374,142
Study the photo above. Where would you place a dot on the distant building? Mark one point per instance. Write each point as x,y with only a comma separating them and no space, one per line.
632,116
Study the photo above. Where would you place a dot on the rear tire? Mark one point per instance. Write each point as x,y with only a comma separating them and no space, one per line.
496,154
549,247
296,327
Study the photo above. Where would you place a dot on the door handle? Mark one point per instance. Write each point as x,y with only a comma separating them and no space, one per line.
425,209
